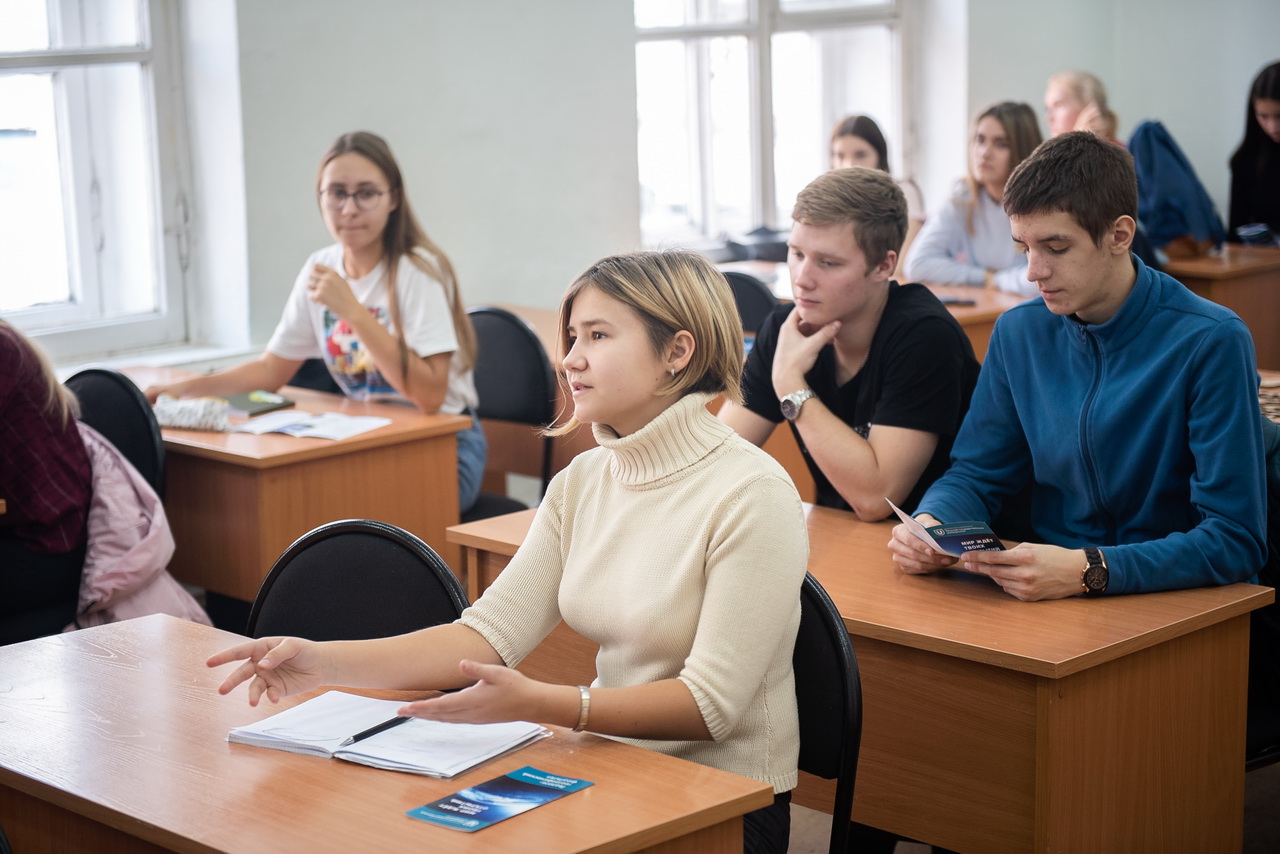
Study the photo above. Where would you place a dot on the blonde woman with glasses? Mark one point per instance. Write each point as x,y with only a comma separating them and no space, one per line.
380,306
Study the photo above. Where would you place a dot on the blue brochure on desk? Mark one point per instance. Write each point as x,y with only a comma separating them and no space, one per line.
492,801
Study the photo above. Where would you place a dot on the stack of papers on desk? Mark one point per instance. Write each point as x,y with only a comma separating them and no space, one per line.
326,425
319,726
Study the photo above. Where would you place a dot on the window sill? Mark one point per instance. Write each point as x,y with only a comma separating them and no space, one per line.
199,359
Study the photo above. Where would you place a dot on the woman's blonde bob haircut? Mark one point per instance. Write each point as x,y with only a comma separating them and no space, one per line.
670,290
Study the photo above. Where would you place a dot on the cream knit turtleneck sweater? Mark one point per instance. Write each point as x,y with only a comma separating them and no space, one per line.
680,549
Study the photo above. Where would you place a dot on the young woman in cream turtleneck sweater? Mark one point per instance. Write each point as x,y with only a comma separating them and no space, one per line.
676,545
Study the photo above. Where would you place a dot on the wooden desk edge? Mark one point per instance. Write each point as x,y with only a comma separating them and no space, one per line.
480,534
1258,597
440,426
754,794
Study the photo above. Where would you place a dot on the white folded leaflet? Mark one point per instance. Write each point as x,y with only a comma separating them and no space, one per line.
326,425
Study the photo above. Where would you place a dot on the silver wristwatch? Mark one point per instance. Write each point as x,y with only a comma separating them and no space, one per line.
790,405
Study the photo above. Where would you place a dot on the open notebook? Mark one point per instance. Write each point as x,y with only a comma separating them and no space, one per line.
319,726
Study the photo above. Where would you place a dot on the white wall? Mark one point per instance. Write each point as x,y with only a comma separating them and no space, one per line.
514,124
515,121
1192,72
216,311
1187,63
941,117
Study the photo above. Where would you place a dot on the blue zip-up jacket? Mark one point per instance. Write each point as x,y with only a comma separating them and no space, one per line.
1142,434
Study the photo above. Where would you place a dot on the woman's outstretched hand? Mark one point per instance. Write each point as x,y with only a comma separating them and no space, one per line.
276,667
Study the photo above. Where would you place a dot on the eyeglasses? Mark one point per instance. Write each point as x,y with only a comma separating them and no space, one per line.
335,198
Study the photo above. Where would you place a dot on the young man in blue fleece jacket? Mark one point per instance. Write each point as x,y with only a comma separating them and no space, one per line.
1124,404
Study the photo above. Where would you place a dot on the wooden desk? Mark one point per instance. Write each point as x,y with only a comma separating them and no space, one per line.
114,739
979,319
236,501
1245,279
993,725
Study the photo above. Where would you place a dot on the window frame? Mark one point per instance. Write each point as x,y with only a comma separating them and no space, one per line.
80,329
764,19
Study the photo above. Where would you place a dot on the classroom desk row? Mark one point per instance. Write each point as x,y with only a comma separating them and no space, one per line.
114,740
236,501
993,725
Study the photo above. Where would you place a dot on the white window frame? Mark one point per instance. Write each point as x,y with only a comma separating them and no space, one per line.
764,19
79,329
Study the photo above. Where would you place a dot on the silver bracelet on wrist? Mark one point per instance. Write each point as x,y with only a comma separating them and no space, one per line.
584,711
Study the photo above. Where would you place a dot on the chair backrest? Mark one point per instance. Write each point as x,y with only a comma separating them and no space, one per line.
111,404
356,579
829,697
755,300
514,377
314,374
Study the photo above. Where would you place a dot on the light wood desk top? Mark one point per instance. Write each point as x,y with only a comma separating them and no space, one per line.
1232,262
236,501
970,617
988,303
114,739
958,614
1245,279
277,449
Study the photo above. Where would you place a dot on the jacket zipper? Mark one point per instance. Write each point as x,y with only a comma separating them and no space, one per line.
1086,450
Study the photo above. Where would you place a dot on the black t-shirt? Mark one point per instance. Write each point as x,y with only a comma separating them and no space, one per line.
919,374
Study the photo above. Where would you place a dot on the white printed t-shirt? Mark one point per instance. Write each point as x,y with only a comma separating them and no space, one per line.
308,330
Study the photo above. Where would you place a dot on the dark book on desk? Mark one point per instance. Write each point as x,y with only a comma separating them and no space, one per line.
257,402
325,725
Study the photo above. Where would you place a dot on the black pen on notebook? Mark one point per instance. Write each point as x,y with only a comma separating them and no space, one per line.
374,730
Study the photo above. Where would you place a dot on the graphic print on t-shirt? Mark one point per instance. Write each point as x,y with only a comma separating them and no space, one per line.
349,362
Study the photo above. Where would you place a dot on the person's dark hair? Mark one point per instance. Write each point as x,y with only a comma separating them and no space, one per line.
869,201
865,128
1081,174
405,236
1257,150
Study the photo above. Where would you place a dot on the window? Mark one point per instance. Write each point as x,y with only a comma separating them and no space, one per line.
736,100
91,249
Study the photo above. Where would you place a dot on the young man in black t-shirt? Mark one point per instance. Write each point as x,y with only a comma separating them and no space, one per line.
874,377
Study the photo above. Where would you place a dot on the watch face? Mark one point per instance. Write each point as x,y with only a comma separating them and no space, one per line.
1096,577
789,408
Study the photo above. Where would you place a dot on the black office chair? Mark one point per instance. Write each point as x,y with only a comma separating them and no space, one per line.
314,374
829,697
515,382
111,404
355,579
755,300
